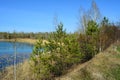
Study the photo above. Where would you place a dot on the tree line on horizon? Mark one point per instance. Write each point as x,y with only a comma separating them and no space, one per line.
30,35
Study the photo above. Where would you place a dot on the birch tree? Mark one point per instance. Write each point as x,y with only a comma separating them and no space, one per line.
87,15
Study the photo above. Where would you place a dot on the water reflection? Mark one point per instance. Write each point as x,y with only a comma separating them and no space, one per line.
7,53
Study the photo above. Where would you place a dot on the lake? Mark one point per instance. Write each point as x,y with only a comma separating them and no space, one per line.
8,47
7,50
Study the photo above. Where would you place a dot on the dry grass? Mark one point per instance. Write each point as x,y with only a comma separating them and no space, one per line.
23,72
26,40
104,66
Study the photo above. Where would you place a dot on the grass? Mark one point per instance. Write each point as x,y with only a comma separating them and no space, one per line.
113,73
117,55
116,72
118,48
85,75
23,72
104,66
25,40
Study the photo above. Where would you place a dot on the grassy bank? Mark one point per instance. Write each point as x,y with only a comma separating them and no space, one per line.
25,40
104,66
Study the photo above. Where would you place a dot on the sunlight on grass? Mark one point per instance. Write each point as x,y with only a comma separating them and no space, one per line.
113,73
118,48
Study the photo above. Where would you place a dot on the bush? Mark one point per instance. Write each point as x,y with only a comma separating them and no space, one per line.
89,41
52,58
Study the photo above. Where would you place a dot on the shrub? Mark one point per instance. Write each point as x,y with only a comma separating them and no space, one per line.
52,58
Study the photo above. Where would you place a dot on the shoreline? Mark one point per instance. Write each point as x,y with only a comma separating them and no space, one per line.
25,40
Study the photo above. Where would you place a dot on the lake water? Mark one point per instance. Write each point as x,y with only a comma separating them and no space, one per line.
7,50
9,47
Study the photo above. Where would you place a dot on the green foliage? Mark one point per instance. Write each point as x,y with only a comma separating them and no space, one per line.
85,75
92,28
113,73
52,58
108,34
116,72
89,41
105,21
118,48
97,38
31,35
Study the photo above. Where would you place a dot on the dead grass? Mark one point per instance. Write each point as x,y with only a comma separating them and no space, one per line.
104,66
23,72
26,40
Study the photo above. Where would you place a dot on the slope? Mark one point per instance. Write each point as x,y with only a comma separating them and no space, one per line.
104,66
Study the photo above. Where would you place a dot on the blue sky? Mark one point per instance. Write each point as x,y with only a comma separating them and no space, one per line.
38,15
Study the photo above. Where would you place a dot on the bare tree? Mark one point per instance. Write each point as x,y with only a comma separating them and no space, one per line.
94,12
15,54
86,15
55,20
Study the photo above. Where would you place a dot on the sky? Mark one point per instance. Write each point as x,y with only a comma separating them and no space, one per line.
39,15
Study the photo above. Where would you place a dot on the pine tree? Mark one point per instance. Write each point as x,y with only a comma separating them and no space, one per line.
89,42
52,58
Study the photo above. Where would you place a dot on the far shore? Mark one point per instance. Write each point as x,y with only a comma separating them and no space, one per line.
24,40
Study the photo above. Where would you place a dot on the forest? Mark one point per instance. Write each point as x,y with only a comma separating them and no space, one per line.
30,35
